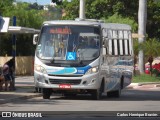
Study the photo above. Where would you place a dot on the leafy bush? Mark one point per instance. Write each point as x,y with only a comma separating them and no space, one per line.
156,72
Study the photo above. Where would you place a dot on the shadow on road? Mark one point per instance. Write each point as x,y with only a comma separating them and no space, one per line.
127,95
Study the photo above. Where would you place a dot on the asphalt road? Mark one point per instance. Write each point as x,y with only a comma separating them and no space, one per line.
130,100
83,108
140,100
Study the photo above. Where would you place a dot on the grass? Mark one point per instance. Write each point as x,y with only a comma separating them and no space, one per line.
145,78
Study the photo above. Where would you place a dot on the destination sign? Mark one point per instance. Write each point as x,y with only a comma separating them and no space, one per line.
60,30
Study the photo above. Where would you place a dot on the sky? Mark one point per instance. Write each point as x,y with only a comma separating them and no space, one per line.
40,2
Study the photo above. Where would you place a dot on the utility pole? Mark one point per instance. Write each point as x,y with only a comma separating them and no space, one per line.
13,54
142,18
0,30
82,9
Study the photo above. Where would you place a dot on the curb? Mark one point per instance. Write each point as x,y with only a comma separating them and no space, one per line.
134,85
147,83
157,85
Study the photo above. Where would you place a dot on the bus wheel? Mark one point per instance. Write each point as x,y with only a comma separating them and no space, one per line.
46,93
116,93
97,94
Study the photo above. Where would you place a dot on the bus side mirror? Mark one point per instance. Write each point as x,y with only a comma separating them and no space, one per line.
35,39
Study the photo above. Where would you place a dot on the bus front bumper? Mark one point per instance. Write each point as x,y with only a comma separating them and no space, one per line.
91,81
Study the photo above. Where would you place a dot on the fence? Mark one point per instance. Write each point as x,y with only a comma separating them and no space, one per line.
24,64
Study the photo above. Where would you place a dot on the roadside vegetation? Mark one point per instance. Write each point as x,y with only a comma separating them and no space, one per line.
145,78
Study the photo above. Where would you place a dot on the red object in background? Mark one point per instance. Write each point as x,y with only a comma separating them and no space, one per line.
159,66
147,69
156,66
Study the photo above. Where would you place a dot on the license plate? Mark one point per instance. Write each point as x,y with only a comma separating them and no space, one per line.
65,86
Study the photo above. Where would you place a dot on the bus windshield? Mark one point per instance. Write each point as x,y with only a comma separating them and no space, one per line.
69,42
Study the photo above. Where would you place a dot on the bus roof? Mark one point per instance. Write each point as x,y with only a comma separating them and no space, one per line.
116,26
71,22
89,22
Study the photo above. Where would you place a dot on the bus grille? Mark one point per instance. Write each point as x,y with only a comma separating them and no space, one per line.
76,75
62,81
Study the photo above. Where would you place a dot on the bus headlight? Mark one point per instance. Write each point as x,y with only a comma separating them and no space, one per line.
92,70
39,68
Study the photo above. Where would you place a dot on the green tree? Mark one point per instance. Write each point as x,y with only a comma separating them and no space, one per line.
98,9
153,19
71,9
123,20
26,17
53,13
4,4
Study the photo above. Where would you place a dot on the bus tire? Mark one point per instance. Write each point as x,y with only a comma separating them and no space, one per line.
46,93
97,94
116,93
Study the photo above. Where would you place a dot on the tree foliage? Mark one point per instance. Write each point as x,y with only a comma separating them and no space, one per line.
153,19
151,48
124,20
26,17
4,4
71,9
118,9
